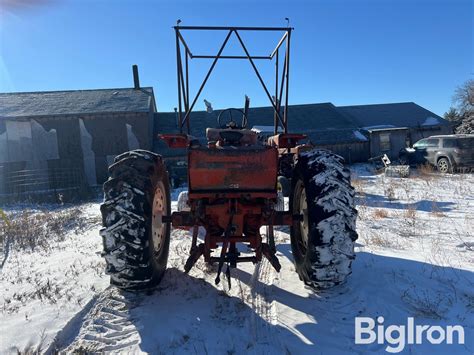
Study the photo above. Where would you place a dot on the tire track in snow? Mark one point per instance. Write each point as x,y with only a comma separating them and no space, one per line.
107,327
265,315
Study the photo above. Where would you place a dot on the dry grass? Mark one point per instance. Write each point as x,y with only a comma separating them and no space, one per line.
32,229
410,214
426,169
362,209
360,198
358,185
411,222
389,192
381,240
424,303
435,211
380,213
378,240
427,173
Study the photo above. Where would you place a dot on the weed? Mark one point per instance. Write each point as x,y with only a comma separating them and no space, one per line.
381,240
426,303
410,215
389,192
32,229
380,213
410,219
426,173
436,211
358,185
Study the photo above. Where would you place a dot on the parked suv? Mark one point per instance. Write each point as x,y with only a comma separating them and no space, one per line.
446,152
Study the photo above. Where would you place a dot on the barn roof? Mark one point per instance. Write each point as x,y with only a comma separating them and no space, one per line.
403,114
50,103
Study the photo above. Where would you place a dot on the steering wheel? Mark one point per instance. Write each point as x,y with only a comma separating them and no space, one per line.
231,123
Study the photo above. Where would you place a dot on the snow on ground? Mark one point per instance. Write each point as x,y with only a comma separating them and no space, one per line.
41,290
415,258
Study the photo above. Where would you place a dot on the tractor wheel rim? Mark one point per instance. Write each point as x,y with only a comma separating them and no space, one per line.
303,210
443,166
158,228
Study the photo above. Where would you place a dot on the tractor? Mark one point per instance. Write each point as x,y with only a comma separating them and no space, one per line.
233,190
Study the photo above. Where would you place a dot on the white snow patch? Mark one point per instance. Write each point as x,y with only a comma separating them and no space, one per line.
360,136
430,121
88,154
368,128
266,129
132,138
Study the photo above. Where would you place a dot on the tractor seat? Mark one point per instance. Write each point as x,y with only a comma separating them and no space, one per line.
232,136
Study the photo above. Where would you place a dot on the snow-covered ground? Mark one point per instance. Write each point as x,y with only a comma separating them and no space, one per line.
415,258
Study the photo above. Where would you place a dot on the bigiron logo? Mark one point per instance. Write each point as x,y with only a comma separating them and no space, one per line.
397,336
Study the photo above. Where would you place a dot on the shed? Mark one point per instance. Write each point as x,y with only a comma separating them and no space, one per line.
56,139
388,141
396,123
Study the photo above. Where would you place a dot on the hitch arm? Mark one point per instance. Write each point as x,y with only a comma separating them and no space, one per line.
224,246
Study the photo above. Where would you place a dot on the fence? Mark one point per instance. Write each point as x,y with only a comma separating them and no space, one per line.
41,184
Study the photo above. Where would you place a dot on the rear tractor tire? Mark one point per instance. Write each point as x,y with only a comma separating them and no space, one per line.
323,242
136,242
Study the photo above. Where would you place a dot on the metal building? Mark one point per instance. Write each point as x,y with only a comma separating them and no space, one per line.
66,139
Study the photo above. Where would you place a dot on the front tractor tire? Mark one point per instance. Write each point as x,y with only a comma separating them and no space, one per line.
136,242
323,241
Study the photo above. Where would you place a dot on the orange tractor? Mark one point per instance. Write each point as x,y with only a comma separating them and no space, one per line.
233,181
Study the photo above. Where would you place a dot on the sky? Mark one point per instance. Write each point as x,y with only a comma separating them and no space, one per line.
345,52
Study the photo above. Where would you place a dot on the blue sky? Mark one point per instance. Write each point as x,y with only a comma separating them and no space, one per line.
344,52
